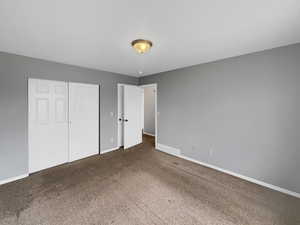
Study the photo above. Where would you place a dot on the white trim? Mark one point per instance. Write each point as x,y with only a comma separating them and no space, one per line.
171,151
156,113
123,84
143,109
8,180
153,135
108,150
148,85
168,149
118,113
27,124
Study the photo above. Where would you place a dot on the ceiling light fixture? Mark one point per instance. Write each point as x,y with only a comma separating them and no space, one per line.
141,45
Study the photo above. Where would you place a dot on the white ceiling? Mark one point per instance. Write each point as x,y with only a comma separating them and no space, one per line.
97,33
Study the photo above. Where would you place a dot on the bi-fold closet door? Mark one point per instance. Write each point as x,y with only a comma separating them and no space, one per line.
63,121
84,120
48,124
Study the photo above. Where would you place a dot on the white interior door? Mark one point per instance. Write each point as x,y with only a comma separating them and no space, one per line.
48,123
132,116
84,120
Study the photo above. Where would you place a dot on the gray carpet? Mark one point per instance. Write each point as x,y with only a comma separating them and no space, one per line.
141,186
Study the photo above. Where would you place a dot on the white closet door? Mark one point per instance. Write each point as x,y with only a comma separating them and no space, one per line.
84,120
48,123
132,116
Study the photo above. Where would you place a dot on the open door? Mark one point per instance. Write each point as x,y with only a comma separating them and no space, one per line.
132,116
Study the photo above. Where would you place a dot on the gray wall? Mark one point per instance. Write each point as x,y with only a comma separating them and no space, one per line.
14,72
241,114
149,110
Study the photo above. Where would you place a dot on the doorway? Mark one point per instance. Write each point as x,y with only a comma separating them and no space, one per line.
129,115
149,111
137,114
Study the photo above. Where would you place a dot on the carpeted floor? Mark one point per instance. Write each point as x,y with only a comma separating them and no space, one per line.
141,187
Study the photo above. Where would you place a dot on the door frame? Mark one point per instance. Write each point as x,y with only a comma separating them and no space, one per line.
156,122
142,86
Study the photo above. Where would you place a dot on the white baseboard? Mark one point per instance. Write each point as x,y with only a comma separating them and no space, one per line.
108,150
168,149
8,180
148,134
176,152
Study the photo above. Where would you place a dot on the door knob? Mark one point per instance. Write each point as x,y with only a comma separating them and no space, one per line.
120,119
126,120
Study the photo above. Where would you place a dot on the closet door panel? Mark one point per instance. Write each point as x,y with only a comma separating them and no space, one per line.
84,120
48,123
